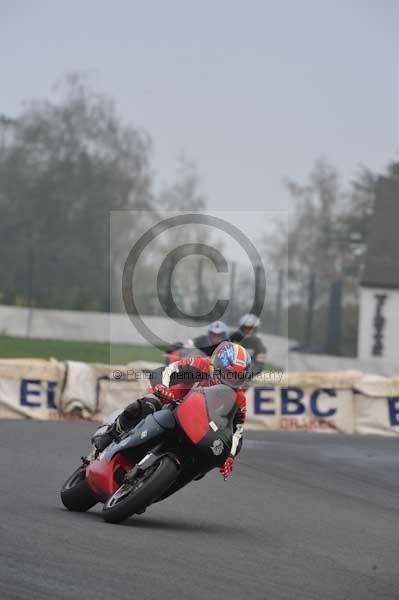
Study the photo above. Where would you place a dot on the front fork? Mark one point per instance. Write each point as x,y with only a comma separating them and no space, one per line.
149,460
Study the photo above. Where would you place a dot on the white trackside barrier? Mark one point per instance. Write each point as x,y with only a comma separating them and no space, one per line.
30,388
40,389
346,401
377,405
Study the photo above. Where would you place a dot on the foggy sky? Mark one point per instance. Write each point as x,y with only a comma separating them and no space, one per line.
251,91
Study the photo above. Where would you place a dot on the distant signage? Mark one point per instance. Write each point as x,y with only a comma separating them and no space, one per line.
35,393
302,407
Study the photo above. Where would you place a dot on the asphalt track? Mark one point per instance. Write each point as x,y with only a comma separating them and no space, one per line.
305,516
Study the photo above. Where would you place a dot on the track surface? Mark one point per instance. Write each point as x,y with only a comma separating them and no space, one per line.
305,516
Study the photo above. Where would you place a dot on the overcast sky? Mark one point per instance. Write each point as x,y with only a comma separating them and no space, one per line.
251,91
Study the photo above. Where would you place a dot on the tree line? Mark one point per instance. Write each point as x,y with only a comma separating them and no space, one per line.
67,162
320,251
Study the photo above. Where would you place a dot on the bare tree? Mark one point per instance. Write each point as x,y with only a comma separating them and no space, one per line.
65,163
321,241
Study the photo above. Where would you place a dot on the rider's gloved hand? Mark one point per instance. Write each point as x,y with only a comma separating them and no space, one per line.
227,467
163,393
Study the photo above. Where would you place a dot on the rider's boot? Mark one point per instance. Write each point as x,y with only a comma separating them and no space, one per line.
102,440
128,419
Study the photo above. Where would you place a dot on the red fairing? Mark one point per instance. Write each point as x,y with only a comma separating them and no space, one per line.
100,475
193,417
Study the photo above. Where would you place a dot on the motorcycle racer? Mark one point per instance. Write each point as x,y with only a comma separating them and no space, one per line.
229,365
217,333
247,336
207,343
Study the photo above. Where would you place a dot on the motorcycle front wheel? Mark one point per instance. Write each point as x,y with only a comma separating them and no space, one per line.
133,497
76,493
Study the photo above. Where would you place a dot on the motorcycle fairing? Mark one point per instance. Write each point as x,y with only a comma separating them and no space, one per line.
101,475
208,413
192,416
151,427
165,418
215,446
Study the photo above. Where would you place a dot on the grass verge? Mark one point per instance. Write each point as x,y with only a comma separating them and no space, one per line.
13,347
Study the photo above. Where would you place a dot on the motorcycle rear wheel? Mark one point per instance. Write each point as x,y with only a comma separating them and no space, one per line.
76,494
134,497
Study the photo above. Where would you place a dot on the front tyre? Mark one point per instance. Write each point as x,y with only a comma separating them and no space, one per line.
76,493
135,496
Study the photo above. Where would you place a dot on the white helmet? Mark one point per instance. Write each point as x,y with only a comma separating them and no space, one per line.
217,332
217,328
249,321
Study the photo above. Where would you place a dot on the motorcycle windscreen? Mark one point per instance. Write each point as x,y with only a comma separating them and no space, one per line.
204,409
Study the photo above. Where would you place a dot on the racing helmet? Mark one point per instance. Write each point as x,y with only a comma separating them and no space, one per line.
217,332
249,323
230,364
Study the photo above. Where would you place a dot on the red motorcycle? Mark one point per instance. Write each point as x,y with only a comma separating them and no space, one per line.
163,453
